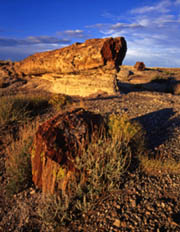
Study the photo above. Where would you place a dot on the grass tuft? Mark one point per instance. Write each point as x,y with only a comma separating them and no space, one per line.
53,209
21,108
154,166
18,162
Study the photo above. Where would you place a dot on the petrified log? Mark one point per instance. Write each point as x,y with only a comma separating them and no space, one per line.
57,142
140,66
93,53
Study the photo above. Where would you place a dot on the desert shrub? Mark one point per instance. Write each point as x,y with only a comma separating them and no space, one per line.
60,101
21,108
104,162
100,169
53,210
18,162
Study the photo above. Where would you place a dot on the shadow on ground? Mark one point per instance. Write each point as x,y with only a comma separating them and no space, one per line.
160,85
159,126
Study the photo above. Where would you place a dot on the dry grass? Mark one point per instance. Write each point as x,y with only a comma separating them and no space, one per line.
159,167
21,108
53,210
60,101
18,162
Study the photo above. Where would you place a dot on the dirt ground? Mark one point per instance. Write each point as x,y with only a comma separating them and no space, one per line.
146,201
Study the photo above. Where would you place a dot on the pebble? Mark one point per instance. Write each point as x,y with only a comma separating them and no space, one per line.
117,223
133,203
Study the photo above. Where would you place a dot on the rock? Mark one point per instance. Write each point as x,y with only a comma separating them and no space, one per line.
57,142
140,66
176,88
133,203
93,53
117,223
124,74
84,84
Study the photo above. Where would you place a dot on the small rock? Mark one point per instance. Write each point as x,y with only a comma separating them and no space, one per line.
133,203
117,223
113,213
123,224
163,205
140,66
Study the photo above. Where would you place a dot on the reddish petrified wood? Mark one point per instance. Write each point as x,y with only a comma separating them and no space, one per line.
57,142
140,66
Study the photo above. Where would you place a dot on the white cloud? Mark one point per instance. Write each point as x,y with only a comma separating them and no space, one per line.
120,26
31,40
152,34
162,7
152,54
73,34
17,49
177,2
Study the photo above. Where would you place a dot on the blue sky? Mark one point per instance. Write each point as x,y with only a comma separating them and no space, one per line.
151,28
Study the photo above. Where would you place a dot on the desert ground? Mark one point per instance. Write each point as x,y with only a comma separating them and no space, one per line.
147,196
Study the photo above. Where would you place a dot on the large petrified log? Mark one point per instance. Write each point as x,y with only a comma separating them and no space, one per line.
57,142
93,53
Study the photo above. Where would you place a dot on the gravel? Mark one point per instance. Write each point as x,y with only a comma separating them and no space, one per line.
143,202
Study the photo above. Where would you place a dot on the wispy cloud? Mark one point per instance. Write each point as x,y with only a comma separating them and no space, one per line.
17,49
79,34
161,7
177,2
31,40
152,33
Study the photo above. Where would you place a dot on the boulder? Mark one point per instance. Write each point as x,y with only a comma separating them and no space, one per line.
92,54
124,73
57,142
140,66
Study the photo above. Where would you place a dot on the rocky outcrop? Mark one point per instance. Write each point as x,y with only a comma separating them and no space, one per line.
92,54
9,76
57,142
84,84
